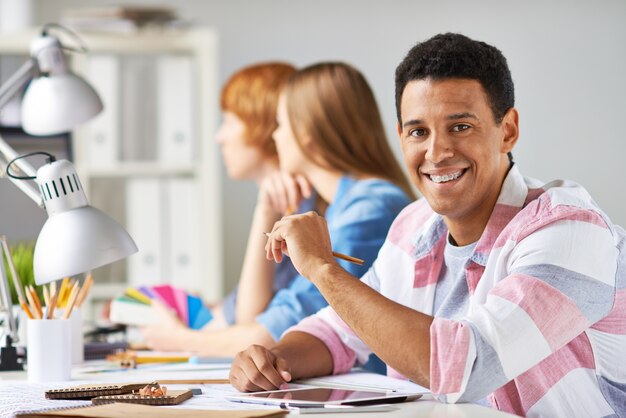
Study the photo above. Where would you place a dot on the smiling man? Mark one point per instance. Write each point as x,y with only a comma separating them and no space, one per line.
494,288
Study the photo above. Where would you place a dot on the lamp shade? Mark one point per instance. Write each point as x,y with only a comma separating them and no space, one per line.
57,103
79,240
76,237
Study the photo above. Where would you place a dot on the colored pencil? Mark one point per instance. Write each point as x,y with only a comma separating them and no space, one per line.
54,297
339,255
46,295
62,291
36,300
71,301
82,295
31,303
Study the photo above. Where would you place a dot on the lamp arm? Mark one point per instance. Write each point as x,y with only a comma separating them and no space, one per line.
5,293
7,154
29,190
17,283
7,91
16,81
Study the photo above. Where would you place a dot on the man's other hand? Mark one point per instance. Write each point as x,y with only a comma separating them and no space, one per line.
257,369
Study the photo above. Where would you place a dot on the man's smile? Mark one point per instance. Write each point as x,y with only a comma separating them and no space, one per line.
445,177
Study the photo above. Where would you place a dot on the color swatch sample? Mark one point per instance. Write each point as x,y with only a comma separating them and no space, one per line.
136,304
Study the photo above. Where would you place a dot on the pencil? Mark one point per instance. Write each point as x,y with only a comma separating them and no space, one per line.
339,255
68,291
62,291
162,359
37,302
54,296
71,301
349,258
31,302
25,308
46,295
82,295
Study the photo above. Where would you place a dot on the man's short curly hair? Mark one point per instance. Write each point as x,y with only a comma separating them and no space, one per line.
452,55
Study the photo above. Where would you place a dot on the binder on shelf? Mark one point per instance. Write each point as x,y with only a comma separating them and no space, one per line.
144,219
184,223
174,109
103,131
138,107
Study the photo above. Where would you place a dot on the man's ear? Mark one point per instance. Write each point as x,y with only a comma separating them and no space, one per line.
399,129
510,130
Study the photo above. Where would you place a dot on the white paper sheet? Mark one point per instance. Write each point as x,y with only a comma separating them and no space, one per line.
26,396
365,381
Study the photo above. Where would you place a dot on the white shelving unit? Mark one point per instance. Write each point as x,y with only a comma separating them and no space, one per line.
150,160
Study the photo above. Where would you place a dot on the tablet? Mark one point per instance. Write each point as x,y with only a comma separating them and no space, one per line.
318,396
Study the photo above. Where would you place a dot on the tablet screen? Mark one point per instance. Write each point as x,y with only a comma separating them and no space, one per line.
321,396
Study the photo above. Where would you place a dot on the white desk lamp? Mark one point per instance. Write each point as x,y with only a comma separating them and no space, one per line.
76,237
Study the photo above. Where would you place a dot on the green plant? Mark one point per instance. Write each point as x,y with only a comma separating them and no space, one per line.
22,255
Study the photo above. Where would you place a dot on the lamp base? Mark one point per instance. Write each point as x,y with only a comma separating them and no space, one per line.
9,357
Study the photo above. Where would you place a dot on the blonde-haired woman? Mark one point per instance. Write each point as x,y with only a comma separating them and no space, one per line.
329,135
248,102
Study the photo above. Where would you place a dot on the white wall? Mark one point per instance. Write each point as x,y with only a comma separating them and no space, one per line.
568,60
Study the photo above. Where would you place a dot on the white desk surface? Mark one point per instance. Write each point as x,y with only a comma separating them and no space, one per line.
427,406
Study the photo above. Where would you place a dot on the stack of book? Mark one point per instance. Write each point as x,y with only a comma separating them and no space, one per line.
135,307
121,19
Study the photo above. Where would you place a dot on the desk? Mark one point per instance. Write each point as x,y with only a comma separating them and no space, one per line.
425,407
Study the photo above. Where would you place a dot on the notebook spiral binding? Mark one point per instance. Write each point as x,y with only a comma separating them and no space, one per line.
175,398
84,392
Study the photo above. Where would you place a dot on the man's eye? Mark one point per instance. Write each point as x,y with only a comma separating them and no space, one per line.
418,132
460,127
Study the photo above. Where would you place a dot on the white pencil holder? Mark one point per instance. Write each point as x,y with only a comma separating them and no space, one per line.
49,350
78,344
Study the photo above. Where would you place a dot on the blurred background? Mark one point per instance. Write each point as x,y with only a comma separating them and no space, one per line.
567,58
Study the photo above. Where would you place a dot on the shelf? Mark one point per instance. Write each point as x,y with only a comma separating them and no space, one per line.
149,160
106,291
139,169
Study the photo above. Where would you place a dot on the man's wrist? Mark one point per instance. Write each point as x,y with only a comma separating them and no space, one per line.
325,271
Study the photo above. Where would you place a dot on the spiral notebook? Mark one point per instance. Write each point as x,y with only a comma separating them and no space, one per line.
89,391
102,394
173,397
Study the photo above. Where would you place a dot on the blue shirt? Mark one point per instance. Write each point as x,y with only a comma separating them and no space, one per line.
284,273
358,220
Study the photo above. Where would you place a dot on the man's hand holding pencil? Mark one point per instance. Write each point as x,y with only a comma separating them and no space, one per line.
305,239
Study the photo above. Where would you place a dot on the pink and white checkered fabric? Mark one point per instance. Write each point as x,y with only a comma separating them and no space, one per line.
545,329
